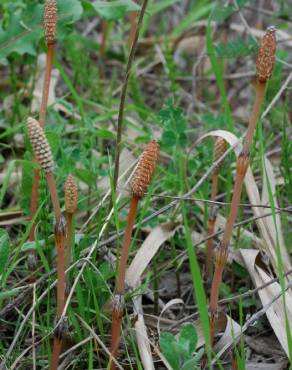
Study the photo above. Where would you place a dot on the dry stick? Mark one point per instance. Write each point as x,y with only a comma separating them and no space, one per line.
50,23
265,63
124,94
139,185
219,150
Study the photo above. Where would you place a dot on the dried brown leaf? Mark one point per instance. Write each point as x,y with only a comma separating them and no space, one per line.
148,250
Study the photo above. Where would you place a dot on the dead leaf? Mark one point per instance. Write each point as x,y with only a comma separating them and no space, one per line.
143,341
148,250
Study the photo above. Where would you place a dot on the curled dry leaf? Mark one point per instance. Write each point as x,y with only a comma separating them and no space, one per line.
231,330
143,340
148,250
143,343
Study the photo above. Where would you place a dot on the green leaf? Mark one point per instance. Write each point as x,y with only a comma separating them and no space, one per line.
191,364
85,175
175,125
4,249
199,11
188,338
9,293
236,48
169,138
69,11
25,29
6,180
155,8
116,9
167,342
218,71
221,12
158,6
18,38
54,141
32,245
197,283
105,134
28,167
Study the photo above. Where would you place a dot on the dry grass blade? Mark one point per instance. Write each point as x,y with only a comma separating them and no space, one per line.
143,341
147,251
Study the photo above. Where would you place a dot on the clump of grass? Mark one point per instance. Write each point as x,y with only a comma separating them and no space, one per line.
264,68
219,150
139,185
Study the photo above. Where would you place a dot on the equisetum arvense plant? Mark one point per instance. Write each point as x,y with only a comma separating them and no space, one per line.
141,180
264,68
43,155
219,149
71,198
50,25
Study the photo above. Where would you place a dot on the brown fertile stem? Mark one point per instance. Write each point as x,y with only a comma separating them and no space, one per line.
120,287
60,238
118,306
241,168
260,93
69,243
211,227
60,243
57,347
132,16
54,196
34,202
104,31
46,86
61,275
43,109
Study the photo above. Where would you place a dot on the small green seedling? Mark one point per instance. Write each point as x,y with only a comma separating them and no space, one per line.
179,350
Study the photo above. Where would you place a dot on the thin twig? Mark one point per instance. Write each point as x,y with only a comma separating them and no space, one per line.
124,94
